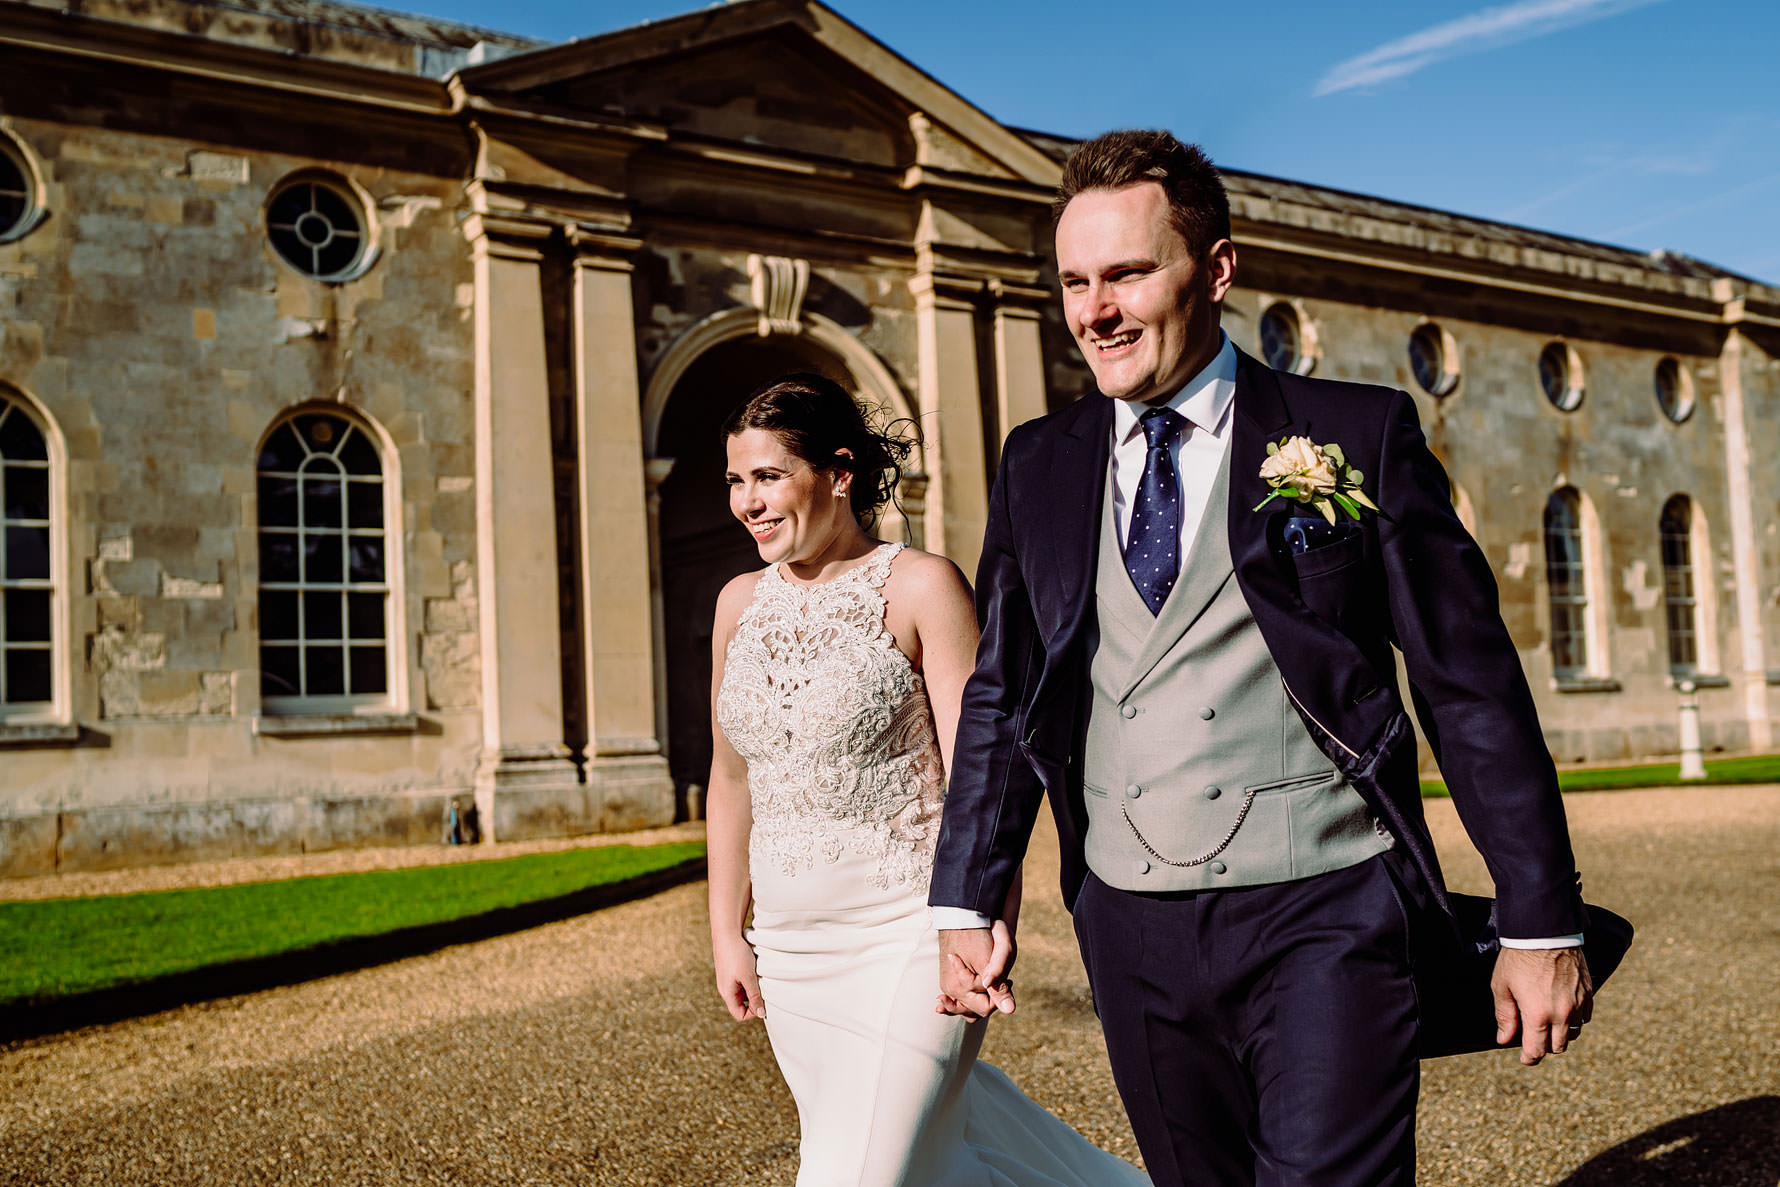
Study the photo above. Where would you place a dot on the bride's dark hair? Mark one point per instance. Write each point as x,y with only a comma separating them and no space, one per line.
814,418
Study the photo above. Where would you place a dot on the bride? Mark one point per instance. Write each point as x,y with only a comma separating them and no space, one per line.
837,676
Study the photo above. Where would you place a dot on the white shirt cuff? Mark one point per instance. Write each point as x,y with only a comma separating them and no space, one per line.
1574,941
958,918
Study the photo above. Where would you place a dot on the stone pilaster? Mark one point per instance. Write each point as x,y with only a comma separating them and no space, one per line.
627,774
526,783
1019,356
1745,550
957,503
655,472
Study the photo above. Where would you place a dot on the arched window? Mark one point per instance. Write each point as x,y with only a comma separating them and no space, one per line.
27,586
324,585
1680,604
1566,579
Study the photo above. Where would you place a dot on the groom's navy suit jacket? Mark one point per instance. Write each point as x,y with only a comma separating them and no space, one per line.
1410,576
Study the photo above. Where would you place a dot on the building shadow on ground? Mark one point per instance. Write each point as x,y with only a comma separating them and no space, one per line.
1734,1145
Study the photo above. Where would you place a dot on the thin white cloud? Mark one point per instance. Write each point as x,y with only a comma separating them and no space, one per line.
1485,29
1714,201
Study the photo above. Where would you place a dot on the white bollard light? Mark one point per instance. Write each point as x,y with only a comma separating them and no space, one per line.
1693,764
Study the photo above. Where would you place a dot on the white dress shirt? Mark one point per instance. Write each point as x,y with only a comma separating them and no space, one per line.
1198,450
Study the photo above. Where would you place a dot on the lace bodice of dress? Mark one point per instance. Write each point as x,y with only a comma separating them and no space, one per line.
835,726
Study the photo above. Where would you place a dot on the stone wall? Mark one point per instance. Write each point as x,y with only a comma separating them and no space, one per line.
150,322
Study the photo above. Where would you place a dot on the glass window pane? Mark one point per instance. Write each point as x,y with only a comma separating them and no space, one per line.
288,205
336,255
321,616
367,558
279,672
283,450
364,504
12,210
321,501
321,431
278,614
334,208
321,557
20,440
27,616
27,675
278,556
27,492
278,501
27,554
326,669
364,615
368,670
359,455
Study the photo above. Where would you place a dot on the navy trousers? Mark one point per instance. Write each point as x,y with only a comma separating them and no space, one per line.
1263,1035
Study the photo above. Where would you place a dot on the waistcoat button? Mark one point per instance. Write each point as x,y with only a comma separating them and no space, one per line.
1127,711
1218,867
1212,793
1143,867
1207,713
1134,791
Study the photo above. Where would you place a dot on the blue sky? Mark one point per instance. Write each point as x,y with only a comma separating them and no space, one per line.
1645,123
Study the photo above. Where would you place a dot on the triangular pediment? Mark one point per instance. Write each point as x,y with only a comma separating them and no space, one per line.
786,75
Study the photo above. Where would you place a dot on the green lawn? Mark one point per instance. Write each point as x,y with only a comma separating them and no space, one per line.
59,947
1760,768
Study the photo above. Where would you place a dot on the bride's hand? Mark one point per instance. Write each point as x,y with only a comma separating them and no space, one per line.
737,983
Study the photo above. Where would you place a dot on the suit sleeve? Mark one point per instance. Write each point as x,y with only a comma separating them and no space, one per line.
993,796
1469,690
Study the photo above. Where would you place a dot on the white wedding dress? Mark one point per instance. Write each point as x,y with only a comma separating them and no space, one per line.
846,782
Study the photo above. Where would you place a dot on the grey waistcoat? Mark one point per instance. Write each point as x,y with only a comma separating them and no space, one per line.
1198,774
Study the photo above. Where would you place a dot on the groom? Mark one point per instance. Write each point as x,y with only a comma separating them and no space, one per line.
1209,694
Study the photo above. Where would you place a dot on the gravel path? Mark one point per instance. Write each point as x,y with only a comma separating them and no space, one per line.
595,1050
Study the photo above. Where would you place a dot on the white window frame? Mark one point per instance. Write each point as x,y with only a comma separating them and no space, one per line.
394,698
58,709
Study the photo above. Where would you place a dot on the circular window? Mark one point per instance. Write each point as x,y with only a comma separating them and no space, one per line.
19,209
1434,358
1560,374
1281,343
320,228
1674,390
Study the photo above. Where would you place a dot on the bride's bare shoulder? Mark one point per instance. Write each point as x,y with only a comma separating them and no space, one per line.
919,575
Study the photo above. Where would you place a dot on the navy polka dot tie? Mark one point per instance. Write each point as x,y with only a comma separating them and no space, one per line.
1152,548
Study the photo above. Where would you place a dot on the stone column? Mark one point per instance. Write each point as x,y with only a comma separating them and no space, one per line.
526,784
627,775
655,472
1019,357
951,416
1745,550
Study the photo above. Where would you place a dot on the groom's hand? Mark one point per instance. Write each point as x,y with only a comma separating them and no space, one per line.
973,967
1544,993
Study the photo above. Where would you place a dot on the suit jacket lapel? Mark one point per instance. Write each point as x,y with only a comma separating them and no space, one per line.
1260,415
1070,492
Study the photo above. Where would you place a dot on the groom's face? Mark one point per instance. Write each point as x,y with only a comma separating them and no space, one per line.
1143,311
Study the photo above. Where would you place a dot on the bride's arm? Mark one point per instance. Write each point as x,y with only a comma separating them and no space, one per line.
728,819
944,626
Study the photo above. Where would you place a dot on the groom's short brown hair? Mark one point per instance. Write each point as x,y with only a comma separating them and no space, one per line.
1198,208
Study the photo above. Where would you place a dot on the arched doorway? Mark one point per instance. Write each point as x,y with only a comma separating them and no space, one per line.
702,545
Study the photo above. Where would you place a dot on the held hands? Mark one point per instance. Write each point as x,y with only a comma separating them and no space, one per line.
1545,994
973,971
737,983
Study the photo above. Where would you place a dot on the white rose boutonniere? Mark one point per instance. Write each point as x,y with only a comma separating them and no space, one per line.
1300,469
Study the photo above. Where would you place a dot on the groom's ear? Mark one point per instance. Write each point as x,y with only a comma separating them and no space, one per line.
1220,267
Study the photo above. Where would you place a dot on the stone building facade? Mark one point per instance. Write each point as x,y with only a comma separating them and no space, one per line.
359,377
